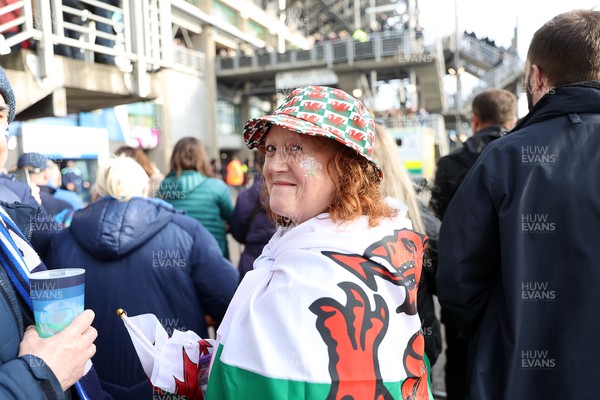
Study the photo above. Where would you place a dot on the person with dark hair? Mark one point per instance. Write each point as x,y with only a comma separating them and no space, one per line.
494,112
250,224
330,308
32,367
191,187
518,250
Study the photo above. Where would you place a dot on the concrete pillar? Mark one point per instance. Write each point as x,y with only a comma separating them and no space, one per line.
244,109
416,103
348,81
206,43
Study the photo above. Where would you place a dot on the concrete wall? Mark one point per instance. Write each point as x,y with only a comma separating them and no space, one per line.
181,111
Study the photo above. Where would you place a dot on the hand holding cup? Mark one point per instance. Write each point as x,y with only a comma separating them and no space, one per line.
67,352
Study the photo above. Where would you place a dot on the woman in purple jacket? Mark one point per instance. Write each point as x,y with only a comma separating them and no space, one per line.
250,225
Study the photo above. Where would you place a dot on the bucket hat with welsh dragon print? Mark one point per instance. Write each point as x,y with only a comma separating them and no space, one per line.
320,111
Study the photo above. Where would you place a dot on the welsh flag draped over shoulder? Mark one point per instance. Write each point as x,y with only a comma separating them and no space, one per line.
174,365
328,312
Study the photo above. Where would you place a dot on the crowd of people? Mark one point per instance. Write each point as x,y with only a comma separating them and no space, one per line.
334,295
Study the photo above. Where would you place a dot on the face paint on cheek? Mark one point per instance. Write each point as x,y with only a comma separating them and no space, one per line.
310,165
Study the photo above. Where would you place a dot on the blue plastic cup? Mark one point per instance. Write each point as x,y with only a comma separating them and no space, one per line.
57,297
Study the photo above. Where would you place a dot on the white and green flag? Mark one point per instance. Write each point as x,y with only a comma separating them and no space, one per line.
329,312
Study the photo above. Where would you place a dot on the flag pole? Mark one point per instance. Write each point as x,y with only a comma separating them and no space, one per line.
149,347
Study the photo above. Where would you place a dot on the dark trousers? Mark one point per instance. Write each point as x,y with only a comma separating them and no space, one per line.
456,364
69,51
106,28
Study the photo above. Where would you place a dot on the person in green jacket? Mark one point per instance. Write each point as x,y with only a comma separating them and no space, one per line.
190,186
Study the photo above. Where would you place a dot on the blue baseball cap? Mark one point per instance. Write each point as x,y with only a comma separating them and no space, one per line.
34,162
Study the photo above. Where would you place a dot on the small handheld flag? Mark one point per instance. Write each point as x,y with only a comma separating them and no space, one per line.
177,364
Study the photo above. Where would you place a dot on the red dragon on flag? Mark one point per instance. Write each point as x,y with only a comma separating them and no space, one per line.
353,332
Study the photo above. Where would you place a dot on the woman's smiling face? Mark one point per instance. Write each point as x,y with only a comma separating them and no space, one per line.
296,174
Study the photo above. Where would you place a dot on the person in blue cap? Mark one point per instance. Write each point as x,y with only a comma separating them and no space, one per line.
32,367
34,168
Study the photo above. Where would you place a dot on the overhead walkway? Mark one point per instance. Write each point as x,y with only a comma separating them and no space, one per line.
477,56
389,54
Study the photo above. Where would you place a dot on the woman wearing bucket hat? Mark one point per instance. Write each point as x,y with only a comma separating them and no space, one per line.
329,310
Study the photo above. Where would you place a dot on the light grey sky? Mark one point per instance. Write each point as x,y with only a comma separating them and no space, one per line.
496,19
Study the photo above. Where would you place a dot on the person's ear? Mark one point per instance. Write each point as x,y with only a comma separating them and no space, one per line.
475,122
535,77
538,81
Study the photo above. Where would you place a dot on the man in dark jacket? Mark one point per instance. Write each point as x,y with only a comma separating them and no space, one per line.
12,190
34,165
32,367
519,243
494,112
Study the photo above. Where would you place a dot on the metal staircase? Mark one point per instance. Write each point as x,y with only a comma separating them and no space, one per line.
495,67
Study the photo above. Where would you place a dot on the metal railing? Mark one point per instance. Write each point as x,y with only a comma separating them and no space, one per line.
378,46
479,50
431,121
484,53
137,34
509,69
